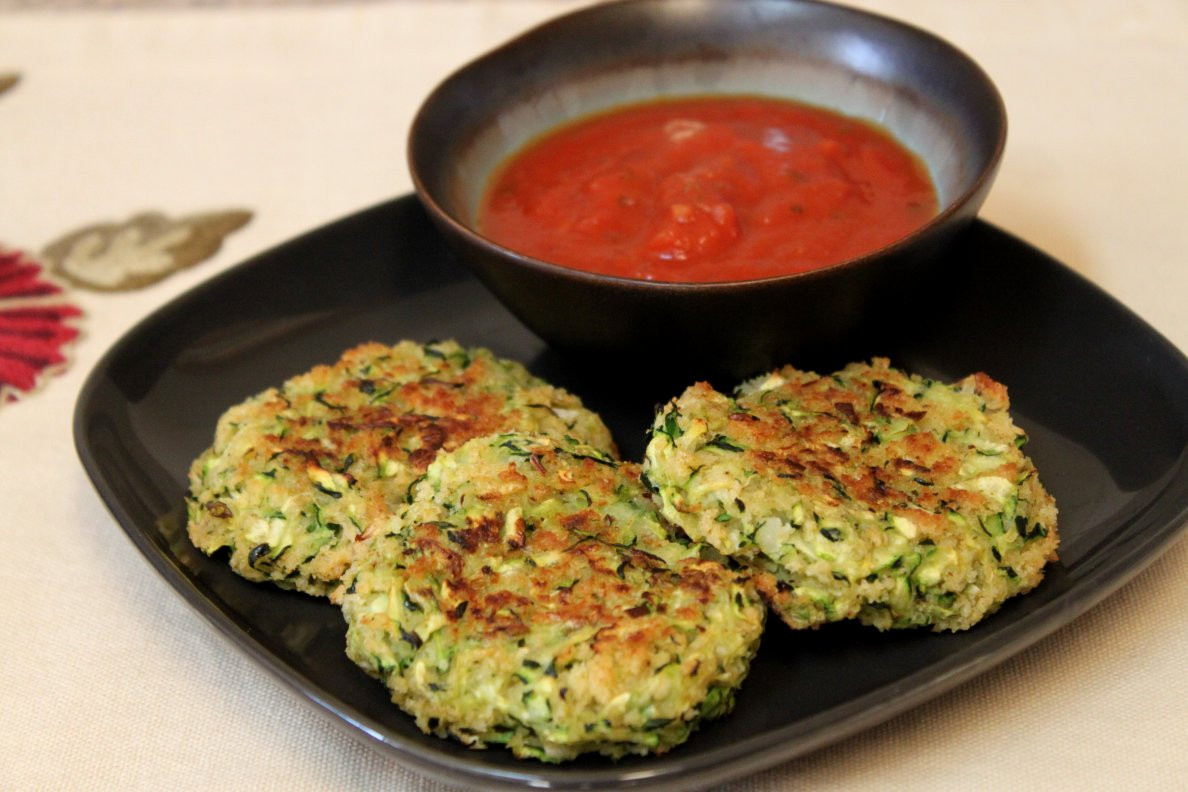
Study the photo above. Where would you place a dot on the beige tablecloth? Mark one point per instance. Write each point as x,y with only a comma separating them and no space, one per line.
297,113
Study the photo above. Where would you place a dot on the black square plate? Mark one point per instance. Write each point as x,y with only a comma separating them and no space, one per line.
1103,397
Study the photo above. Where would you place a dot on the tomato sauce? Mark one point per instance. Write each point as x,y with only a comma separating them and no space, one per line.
707,189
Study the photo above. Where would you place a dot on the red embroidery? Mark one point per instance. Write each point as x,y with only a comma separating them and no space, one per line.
35,325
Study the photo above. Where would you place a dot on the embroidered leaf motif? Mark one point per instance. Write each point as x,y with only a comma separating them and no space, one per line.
140,251
35,326
8,80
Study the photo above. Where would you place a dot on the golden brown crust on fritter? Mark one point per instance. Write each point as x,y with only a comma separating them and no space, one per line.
297,473
530,596
868,493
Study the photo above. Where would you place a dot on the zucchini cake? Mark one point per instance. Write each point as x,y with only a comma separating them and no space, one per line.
530,596
870,494
296,474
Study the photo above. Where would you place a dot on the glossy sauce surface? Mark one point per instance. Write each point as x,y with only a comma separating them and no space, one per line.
707,189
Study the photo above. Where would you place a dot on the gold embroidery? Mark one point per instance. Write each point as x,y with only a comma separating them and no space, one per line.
140,251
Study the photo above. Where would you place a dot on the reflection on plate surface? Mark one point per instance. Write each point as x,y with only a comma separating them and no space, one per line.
1103,398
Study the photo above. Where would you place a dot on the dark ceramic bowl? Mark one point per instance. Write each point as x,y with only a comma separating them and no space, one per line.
928,94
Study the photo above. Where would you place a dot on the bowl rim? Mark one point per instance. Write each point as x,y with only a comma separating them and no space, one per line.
933,226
